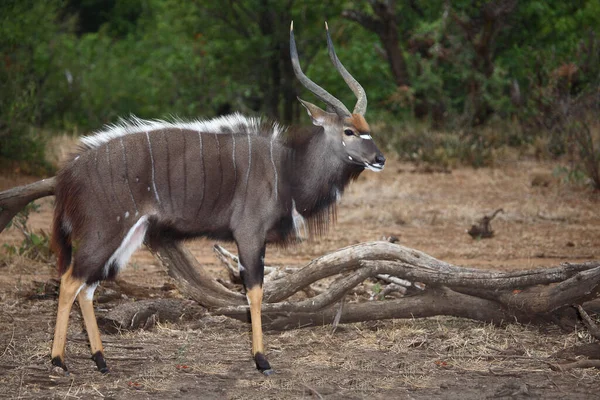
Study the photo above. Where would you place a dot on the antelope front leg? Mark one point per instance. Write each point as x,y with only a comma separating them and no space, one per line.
255,296
69,288
251,267
86,304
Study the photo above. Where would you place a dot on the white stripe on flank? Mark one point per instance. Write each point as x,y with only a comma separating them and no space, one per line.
249,161
126,177
152,164
221,124
133,240
274,170
233,158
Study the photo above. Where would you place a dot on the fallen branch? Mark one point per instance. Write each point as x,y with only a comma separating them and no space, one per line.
530,296
589,323
576,364
14,200
192,279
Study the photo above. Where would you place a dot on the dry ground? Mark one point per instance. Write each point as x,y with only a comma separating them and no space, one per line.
442,358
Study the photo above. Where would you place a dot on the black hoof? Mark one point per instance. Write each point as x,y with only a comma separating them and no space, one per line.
262,364
58,362
100,363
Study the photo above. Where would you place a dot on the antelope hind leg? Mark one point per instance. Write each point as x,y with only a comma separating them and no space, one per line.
86,304
69,288
255,295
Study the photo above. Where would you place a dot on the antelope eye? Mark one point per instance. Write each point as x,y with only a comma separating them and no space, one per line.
349,132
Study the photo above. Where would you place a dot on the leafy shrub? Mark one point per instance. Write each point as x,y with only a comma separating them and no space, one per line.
35,246
444,149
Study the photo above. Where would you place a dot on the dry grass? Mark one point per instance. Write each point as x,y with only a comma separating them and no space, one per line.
423,359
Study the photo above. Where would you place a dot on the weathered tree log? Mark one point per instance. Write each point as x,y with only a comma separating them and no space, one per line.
144,314
193,280
14,200
529,296
525,296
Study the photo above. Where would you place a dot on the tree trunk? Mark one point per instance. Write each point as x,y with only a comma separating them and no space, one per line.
386,27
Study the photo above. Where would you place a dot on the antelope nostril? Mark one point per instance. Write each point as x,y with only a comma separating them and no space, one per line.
380,159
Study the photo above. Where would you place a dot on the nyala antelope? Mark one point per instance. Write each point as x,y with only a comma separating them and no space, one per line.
229,178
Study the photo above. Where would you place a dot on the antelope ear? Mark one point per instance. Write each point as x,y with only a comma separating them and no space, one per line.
319,117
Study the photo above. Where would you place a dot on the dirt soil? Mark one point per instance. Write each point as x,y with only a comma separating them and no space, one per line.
545,222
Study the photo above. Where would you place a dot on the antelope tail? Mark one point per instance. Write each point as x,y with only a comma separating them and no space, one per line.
61,239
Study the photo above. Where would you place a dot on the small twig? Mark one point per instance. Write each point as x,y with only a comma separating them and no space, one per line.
97,391
9,342
576,364
393,279
69,391
589,323
313,392
20,384
391,288
338,316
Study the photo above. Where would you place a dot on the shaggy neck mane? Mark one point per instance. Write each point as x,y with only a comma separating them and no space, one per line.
318,177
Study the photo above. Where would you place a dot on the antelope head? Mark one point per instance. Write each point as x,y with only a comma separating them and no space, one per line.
349,132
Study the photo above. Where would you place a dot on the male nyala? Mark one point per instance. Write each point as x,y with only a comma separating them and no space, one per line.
230,178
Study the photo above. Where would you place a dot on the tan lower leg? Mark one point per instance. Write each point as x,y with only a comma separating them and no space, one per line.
255,296
69,287
91,325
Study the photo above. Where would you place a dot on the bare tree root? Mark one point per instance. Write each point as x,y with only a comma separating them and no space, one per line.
495,297
483,228
589,323
192,279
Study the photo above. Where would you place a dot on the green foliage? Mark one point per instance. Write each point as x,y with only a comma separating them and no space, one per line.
572,176
74,65
31,80
445,149
587,139
35,246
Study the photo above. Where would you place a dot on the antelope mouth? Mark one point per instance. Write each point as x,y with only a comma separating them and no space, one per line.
374,167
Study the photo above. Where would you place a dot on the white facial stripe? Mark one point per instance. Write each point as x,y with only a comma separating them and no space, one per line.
366,137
